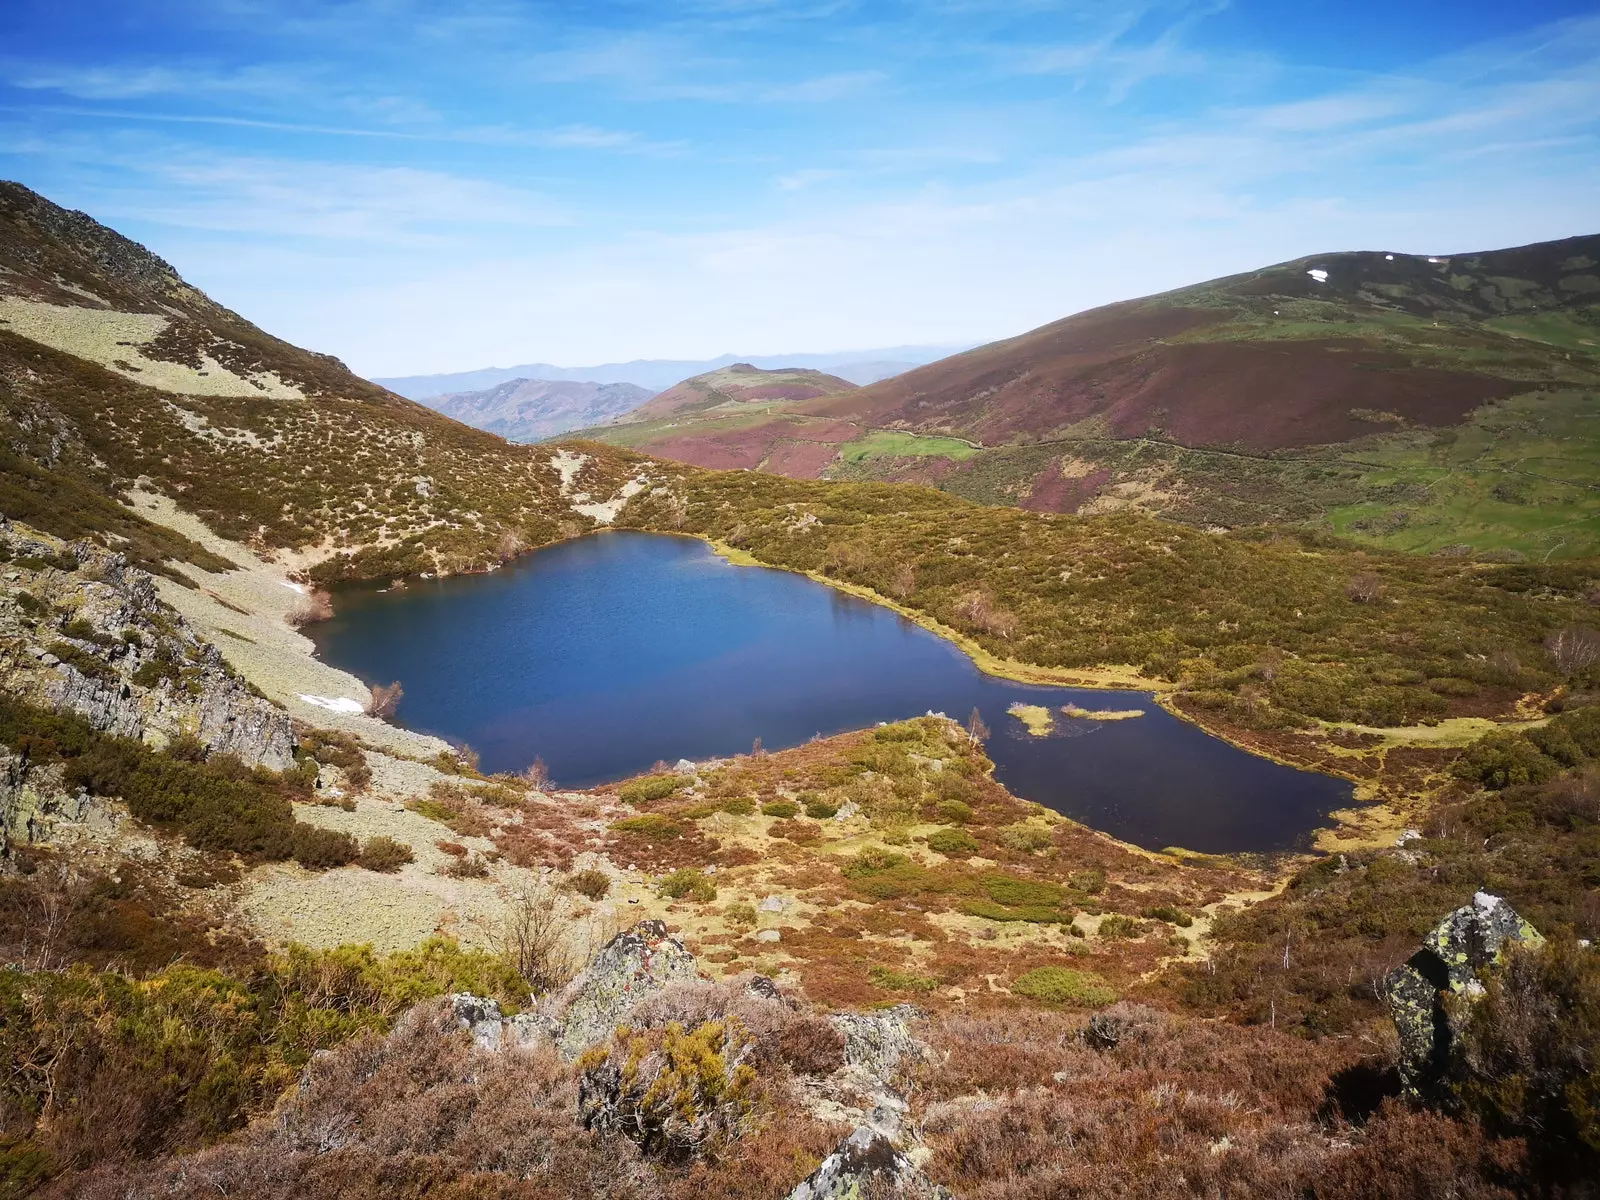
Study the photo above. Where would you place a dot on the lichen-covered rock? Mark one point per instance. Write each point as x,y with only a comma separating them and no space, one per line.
1468,940
633,965
83,631
878,1042
481,1017
34,801
864,1159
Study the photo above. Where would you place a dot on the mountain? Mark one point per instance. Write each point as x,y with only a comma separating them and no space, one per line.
858,366
1421,402
531,410
735,962
739,416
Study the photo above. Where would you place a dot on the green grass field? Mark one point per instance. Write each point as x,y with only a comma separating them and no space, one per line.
887,443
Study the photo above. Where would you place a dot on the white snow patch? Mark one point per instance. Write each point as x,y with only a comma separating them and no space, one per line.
293,587
1435,260
336,704
1388,258
1318,274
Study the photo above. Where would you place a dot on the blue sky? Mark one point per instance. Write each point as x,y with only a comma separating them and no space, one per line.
421,186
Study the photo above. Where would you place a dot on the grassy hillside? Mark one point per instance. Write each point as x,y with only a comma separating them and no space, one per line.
1418,403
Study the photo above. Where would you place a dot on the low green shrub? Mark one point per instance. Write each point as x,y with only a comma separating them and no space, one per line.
1170,914
1116,925
952,841
954,812
319,849
654,826
650,788
384,854
687,883
1064,985
1024,838
901,981
782,809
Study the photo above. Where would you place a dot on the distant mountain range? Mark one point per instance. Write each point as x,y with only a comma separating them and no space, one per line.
658,374
530,410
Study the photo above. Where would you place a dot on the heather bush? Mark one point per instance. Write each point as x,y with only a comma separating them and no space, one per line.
687,883
1064,985
591,883
952,842
384,854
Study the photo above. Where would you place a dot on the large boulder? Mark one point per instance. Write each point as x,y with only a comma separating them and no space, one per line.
1426,993
633,965
866,1159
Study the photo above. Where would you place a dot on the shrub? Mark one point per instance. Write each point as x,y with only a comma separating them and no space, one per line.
740,915
739,806
1016,893
782,809
654,826
384,854
1501,760
318,849
1574,649
1063,985
819,809
1025,839
1365,588
1116,925
1529,1048
687,883
474,866
591,883
650,788
954,812
1169,914
901,981
678,1093
952,841
385,699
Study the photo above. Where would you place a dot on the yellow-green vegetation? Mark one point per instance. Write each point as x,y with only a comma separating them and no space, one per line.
1065,986
654,826
952,842
890,443
84,1046
679,1091
650,788
1100,714
687,883
1035,716
891,980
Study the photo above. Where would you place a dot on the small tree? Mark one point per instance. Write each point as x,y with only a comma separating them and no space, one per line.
537,776
533,937
1574,649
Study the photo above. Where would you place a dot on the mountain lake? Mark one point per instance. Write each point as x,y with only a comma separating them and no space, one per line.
608,653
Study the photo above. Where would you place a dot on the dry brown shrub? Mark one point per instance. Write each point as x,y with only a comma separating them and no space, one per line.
1574,649
385,700
979,610
309,608
1365,588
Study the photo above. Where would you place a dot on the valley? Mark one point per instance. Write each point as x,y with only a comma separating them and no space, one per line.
806,770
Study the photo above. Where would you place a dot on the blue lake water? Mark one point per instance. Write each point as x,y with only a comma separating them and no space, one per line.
608,653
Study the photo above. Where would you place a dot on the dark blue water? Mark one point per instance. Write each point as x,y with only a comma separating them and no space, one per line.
605,654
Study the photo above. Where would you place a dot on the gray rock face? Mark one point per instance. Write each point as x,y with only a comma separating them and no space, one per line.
33,801
633,965
1469,939
83,631
479,1016
864,1158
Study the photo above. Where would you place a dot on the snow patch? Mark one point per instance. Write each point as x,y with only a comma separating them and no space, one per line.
293,587
336,704
1388,258
1318,274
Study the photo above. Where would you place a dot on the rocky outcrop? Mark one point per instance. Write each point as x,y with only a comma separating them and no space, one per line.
1426,993
865,1160
634,964
34,802
83,631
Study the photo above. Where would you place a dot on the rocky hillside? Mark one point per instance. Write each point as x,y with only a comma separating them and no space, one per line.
532,410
